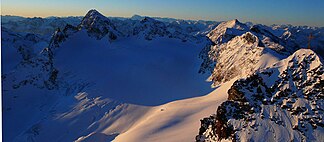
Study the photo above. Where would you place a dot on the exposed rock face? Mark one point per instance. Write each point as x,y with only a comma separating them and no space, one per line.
23,44
207,128
69,30
269,40
98,25
232,46
226,31
236,58
150,28
38,71
287,96
57,38
32,67
207,65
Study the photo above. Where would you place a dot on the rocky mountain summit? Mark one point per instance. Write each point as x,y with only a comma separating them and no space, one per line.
98,25
225,31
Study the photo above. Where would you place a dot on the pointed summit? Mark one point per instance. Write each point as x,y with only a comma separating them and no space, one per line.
98,25
94,11
91,17
137,17
227,30
235,24
240,25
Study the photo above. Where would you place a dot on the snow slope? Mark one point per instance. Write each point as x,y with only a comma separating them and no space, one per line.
175,121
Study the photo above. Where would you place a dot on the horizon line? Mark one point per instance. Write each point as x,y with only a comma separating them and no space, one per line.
185,19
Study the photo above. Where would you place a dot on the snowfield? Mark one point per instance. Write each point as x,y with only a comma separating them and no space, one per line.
175,121
134,70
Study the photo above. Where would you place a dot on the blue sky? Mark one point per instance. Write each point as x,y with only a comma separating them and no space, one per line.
296,12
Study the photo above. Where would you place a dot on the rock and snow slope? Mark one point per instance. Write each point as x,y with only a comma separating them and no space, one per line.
239,57
283,102
225,31
237,50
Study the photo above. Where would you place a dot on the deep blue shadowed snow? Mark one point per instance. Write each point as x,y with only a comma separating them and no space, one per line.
135,71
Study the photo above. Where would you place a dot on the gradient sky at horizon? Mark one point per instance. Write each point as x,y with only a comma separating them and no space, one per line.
296,12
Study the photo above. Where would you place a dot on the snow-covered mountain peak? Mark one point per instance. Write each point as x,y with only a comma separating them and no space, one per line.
302,55
94,23
305,58
94,12
226,31
136,17
236,24
93,16
98,25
